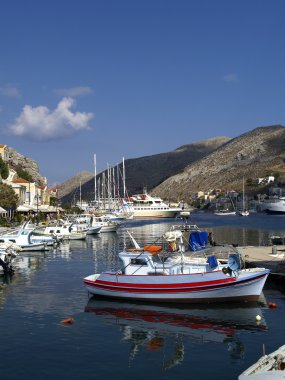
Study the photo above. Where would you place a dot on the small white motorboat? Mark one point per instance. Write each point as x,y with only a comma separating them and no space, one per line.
268,367
23,238
106,224
63,230
224,212
154,274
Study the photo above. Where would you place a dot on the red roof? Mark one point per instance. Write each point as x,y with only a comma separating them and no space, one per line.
20,180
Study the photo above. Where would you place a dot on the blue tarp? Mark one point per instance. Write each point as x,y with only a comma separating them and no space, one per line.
198,240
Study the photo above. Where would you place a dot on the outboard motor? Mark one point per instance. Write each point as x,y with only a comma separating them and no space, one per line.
234,265
7,266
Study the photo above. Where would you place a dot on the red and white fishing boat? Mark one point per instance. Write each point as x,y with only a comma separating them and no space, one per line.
150,275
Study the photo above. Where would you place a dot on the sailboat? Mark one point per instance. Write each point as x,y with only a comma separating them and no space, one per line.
226,212
244,211
111,203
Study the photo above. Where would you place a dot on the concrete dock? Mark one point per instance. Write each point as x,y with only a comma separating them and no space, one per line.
271,257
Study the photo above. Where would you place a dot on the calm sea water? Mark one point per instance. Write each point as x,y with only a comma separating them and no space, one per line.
129,340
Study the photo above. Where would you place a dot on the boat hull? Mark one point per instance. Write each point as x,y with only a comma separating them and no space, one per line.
35,247
93,230
155,213
275,212
179,288
109,228
277,207
228,213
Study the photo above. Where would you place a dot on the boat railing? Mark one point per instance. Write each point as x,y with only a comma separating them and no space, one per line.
185,227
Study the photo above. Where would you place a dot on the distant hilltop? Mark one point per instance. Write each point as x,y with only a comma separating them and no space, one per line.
254,154
144,172
71,187
218,162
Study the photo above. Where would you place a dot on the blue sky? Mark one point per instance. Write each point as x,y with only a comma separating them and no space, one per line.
129,78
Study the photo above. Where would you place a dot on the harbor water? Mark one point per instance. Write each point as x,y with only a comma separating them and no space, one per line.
131,340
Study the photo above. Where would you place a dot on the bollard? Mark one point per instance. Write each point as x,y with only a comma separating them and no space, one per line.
274,250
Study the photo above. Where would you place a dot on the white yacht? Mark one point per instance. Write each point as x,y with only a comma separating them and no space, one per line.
274,206
146,206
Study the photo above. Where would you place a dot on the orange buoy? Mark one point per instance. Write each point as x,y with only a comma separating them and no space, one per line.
272,305
67,321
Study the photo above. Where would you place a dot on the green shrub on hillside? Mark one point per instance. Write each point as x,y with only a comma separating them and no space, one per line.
4,170
23,174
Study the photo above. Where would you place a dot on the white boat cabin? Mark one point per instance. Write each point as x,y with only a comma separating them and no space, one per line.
146,263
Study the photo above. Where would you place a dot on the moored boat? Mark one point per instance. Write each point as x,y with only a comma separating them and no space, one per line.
23,238
151,274
243,213
106,225
224,212
146,206
269,367
274,206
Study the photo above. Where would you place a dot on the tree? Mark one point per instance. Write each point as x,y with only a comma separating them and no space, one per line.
4,169
53,201
8,197
24,174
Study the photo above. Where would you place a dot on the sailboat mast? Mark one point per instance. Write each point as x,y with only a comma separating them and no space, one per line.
114,184
118,181
80,200
243,208
95,183
124,179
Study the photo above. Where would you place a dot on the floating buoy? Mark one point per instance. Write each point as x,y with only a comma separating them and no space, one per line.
272,305
258,318
67,321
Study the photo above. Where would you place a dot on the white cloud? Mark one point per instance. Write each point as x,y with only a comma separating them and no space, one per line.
73,91
10,91
230,77
39,123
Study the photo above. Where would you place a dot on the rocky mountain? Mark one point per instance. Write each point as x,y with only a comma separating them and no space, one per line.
257,153
72,185
149,171
29,165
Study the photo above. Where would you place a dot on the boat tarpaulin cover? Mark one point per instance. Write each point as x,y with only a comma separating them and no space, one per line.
198,240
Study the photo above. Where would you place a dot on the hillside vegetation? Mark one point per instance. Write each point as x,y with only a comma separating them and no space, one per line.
216,163
257,153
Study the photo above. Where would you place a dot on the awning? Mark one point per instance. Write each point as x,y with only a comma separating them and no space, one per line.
26,208
48,208
2,210
39,208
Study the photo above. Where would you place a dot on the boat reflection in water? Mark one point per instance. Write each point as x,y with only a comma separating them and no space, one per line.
149,327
